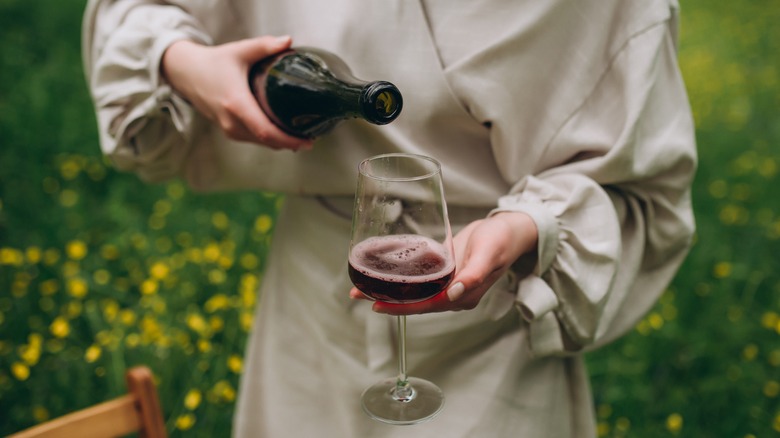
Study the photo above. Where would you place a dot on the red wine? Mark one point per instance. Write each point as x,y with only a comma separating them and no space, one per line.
400,269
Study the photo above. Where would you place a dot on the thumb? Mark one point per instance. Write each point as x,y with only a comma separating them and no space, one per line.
254,49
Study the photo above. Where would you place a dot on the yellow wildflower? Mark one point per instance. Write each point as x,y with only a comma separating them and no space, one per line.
149,287
768,167
750,352
226,262
77,287
76,249
217,276
623,424
674,423
196,323
722,270
195,255
263,223
93,353
175,190
204,346
245,321
127,317
220,220
49,287
159,270
11,256
101,277
20,371
217,302
192,399
655,320
69,169
109,252
33,254
211,252
774,358
216,323
150,329
110,310
132,340
235,363
249,261
223,391
35,339
59,327
162,207
185,421
769,320
30,354
103,337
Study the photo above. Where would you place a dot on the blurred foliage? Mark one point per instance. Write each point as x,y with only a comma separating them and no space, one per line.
99,271
706,361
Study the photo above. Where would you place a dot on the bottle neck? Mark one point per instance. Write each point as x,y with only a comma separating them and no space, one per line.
380,102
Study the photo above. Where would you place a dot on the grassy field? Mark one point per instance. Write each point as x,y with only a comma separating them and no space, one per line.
99,272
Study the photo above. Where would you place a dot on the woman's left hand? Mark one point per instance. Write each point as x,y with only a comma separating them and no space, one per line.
484,251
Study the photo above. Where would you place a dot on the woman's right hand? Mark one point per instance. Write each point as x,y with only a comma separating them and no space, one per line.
215,79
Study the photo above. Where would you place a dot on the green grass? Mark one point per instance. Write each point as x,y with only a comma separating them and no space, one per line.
99,271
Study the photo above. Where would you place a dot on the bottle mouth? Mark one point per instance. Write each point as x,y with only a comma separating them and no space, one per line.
382,102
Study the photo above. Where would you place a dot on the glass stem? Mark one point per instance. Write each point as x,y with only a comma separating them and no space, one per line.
403,391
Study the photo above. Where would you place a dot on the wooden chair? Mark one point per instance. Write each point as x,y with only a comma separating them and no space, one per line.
138,411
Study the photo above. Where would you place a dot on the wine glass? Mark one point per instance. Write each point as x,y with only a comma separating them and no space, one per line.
401,252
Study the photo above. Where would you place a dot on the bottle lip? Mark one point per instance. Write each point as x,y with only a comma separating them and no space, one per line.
371,97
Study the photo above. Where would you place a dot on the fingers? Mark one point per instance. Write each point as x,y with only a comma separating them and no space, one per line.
249,123
244,120
437,303
254,49
355,294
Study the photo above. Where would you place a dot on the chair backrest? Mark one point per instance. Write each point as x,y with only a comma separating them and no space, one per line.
138,411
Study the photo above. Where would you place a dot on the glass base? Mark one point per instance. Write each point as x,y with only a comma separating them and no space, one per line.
417,402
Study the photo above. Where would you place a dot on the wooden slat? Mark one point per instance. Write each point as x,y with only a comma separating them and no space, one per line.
113,418
140,384
138,411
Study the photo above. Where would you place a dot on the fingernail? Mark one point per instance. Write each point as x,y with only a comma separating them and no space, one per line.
283,39
455,292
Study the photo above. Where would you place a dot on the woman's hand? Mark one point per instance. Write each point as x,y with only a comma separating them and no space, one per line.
216,81
484,251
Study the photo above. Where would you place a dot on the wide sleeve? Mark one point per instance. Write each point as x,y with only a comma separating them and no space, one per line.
614,216
143,126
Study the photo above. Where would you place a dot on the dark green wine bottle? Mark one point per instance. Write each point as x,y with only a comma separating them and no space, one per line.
307,91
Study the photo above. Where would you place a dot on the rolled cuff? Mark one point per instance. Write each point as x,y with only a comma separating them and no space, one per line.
535,298
546,224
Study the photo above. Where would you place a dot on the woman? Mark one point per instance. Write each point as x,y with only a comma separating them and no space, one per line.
567,149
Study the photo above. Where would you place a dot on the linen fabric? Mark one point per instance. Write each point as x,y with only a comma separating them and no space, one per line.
572,111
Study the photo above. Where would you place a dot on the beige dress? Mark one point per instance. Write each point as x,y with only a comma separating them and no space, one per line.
572,111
